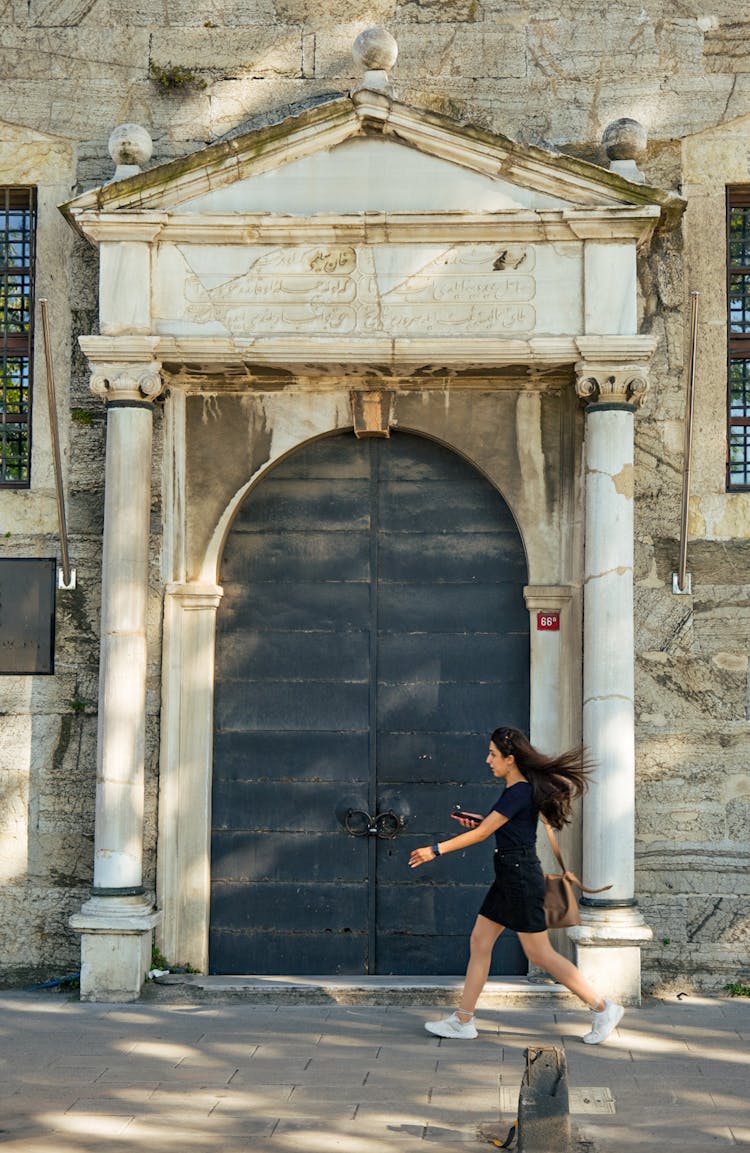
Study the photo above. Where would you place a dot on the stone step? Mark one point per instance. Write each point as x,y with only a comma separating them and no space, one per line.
498,992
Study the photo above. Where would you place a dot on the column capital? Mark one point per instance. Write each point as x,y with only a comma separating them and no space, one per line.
131,383
605,386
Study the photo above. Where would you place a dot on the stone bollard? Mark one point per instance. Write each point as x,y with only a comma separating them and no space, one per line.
543,1105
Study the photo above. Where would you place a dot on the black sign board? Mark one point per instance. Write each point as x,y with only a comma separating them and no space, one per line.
27,615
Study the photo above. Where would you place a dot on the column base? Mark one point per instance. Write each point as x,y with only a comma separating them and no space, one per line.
608,951
116,939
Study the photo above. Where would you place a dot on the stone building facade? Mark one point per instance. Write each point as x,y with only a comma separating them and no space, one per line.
290,268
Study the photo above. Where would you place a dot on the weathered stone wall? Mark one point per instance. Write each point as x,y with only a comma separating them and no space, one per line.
74,67
194,73
692,651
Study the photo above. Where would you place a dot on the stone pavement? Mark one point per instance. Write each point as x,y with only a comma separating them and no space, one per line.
230,1075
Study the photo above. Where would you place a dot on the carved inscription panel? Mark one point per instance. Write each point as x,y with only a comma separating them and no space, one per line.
395,290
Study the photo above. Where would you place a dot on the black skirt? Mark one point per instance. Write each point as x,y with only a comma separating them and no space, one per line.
516,899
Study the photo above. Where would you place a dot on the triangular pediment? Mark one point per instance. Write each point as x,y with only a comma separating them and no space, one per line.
369,154
371,174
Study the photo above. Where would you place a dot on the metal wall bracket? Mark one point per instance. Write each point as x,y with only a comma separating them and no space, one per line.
61,580
687,590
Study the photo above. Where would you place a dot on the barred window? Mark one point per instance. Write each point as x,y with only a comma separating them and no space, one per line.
17,251
738,300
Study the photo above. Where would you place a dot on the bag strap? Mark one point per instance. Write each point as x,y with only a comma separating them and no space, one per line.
555,845
566,872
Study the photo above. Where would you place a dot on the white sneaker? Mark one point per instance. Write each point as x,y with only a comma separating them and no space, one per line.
453,1026
604,1022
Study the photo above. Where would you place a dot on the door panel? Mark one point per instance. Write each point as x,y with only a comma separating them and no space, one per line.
439,706
236,950
308,807
280,755
313,553
425,607
282,654
423,502
449,556
453,657
273,907
306,704
304,605
284,856
372,634
284,503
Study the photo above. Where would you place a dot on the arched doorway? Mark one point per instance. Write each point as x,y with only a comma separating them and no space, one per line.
371,634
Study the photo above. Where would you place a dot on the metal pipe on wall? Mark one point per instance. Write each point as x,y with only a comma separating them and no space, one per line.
681,582
68,578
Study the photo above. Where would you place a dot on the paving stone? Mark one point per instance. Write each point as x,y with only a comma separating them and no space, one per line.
365,1085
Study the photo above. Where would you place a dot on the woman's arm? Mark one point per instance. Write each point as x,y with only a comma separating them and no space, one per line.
488,826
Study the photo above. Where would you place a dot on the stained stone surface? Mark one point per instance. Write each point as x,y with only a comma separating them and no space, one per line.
72,70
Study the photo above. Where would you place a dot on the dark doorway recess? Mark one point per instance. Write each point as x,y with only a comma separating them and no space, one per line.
372,634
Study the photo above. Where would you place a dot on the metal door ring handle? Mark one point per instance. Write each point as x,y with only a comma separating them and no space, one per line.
388,825
360,830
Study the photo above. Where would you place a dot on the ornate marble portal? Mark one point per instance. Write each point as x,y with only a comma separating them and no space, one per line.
362,246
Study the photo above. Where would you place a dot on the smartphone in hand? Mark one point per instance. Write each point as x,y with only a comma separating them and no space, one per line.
460,814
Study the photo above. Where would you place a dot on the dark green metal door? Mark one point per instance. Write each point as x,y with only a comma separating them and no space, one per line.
371,635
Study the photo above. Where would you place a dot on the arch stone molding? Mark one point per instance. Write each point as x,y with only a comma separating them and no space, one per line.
184,872
554,708
190,614
190,610
555,702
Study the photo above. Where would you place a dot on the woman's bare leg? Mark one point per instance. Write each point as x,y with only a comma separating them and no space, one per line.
483,937
540,951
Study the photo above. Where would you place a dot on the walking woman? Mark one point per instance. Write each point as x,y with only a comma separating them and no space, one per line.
535,785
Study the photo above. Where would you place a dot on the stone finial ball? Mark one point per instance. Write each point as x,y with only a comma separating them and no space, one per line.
625,139
375,49
130,144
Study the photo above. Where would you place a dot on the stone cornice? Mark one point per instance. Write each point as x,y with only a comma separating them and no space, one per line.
615,349
615,223
407,356
132,349
117,227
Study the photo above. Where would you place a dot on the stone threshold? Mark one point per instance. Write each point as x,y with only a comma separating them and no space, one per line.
391,990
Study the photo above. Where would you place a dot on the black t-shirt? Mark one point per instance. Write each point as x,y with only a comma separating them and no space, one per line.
517,804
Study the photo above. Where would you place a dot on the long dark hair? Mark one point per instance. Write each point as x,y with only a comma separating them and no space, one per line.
555,780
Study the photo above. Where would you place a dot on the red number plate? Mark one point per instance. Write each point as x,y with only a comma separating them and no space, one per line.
549,621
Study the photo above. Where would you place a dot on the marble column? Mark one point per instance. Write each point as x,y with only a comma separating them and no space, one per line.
613,930
116,923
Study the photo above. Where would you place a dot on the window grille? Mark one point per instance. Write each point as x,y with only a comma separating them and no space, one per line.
17,253
738,309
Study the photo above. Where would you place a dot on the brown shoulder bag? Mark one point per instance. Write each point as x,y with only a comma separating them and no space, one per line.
560,901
